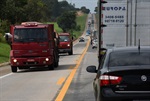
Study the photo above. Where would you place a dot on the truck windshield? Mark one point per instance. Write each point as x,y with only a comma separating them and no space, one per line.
64,38
30,35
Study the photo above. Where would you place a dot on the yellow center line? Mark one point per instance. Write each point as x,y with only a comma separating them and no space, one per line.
60,81
71,67
69,79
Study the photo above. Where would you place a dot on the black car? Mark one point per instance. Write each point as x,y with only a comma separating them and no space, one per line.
81,39
123,74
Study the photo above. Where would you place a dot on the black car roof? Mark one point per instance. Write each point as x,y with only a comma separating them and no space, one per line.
130,48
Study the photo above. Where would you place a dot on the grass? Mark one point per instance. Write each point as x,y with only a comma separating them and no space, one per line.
4,52
5,48
81,21
58,29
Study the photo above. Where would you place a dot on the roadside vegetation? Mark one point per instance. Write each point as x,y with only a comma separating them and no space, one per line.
4,52
56,27
80,25
17,11
48,12
81,21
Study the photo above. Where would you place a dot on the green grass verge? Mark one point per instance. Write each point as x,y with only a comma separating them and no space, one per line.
5,48
81,21
4,52
58,29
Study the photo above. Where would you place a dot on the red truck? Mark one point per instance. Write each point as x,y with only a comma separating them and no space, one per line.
66,43
33,44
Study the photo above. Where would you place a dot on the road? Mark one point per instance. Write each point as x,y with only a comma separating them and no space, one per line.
81,88
41,84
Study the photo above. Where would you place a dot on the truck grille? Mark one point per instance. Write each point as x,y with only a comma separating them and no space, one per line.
30,63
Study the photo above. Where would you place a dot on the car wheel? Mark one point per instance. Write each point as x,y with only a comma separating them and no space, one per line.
70,53
56,64
51,67
14,69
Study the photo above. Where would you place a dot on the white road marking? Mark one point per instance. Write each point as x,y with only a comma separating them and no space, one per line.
6,75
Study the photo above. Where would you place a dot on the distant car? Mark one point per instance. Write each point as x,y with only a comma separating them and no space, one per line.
92,21
123,75
94,43
88,32
81,39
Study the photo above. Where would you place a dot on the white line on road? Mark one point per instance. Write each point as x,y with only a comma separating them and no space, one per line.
6,75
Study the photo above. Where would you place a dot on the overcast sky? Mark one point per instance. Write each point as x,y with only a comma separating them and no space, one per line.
90,4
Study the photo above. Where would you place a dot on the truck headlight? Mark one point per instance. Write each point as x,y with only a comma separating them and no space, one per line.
47,59
15,60
68,45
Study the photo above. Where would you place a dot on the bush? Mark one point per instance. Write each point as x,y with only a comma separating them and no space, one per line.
78,28
1,36
4,27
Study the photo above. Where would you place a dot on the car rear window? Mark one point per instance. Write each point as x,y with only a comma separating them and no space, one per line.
129,58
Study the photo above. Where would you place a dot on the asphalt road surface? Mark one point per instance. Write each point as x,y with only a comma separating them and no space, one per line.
41,84
81,88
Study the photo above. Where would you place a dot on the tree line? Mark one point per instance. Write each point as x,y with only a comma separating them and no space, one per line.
17,11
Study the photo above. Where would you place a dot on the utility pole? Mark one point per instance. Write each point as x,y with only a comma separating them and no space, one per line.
100,2
135,23
127,24
99,29
131,25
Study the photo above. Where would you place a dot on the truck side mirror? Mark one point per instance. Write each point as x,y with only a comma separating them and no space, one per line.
54,34
6,37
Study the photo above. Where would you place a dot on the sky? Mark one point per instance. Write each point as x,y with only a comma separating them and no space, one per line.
89,4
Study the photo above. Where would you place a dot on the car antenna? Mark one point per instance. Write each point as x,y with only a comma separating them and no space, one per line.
139,46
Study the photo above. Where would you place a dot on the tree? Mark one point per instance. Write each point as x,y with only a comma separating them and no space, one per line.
96,9
55,11
85,10
51,9
12,10
65,6
67,21
17,11
2,5
35,10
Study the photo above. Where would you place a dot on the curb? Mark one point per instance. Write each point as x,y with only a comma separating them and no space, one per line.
4,64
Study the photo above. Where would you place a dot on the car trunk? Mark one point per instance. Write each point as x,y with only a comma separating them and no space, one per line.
135,79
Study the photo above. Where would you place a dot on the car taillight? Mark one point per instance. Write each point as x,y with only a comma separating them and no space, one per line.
108,80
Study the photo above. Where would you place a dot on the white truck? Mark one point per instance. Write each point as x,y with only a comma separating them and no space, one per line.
126,22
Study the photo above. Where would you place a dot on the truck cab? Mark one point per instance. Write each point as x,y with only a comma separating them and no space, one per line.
65,43
33,45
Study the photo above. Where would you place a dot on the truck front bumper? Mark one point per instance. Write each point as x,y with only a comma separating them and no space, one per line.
38,61
64,50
